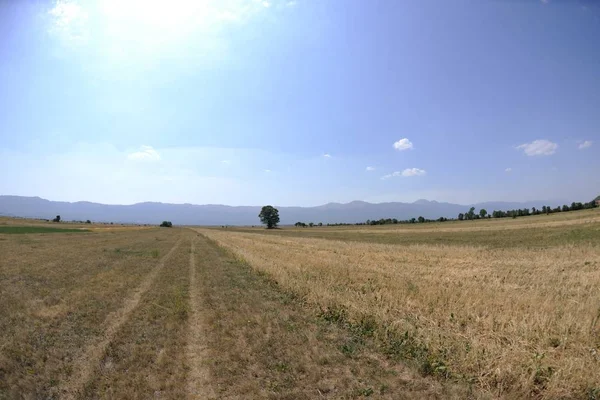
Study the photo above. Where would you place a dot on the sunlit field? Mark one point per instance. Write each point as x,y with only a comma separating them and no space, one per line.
89,311
510,306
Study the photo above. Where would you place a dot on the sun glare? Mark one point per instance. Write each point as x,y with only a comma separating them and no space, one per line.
173,14
149,24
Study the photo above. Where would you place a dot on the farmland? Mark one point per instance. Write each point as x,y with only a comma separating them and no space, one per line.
482,309
511,306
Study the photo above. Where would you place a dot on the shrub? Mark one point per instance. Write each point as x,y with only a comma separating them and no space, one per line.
166,224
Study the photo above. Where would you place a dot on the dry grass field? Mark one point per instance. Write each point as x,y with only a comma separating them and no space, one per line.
541,231
511,307
165,313
483,309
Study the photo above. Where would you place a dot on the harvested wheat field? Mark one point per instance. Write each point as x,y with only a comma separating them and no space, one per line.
511,312
166,313
456,310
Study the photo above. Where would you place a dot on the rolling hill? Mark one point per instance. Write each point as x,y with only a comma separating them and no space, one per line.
215,214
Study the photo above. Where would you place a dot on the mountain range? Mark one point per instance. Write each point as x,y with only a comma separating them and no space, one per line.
216,214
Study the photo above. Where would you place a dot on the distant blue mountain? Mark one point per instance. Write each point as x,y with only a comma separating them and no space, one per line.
215,214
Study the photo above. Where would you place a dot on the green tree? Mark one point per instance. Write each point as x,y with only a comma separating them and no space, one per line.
311,224
482,213
461,216
421,219
320,224
471,213
57,219
269,216
166,224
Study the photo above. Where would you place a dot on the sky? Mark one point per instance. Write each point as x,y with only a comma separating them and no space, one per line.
300,102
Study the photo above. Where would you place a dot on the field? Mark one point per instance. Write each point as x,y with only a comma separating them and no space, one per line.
510,306
37,229
483,309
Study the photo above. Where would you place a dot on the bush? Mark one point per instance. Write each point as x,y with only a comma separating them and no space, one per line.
166,224
88,222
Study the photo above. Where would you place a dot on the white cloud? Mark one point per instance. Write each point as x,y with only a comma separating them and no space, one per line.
393,174
413,172
225,162
146,153
291,3
370,169
408,172
508,170
267,170
266,4
585,144
403,144
540,147
327,155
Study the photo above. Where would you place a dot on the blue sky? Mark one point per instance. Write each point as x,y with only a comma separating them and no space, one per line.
300,102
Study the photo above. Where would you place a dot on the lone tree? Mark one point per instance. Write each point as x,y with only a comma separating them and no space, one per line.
57,219
269,216
482,213
166,224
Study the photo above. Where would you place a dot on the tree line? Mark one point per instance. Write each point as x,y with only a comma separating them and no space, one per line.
469,215
575,206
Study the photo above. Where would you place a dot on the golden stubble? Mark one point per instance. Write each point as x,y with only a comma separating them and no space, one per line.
516,321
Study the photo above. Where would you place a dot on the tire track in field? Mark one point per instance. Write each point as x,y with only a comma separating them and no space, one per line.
198,379
83,366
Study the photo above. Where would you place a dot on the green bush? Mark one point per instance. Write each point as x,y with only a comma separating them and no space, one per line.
166,224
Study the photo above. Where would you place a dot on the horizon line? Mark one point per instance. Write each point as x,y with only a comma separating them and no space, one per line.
287,206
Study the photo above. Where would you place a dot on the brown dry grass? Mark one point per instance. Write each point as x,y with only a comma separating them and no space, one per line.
58,293
165,313
146,359
93,227
264,343
83,366
516,321
542,231
199,383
